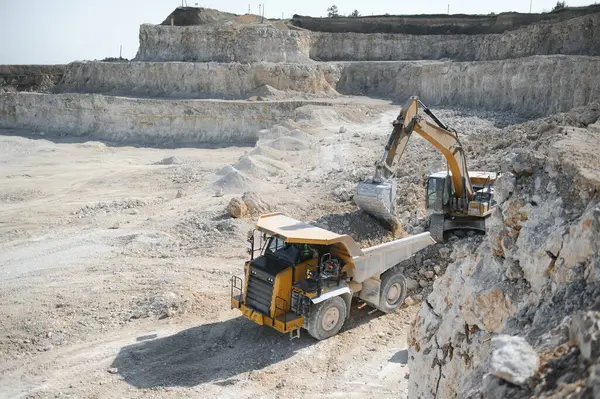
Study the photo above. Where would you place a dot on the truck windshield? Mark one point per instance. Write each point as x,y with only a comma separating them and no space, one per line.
275,244
284,252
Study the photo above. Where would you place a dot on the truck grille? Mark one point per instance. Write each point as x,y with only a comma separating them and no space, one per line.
260,291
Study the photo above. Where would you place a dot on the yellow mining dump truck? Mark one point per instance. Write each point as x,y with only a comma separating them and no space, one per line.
302,276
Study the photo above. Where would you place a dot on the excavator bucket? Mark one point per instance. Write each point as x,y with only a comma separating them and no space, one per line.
378,200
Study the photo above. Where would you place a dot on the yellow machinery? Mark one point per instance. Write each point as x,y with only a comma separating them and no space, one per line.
302,276
457,198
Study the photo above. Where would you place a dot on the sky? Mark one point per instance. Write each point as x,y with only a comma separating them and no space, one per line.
61,31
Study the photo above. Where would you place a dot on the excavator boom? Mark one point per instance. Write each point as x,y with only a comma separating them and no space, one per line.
377,195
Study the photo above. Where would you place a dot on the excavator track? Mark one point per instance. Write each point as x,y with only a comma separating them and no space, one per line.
436,227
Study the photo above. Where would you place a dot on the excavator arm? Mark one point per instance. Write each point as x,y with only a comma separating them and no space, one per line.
377,195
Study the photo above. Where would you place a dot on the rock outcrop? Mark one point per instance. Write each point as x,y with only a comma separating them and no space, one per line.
533,86
147,121
539,264
247,43
222,43
574,36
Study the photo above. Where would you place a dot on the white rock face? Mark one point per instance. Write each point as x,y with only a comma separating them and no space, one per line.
224,43
197,79
513,359
537,266
527,86
127,120
574,36
257,42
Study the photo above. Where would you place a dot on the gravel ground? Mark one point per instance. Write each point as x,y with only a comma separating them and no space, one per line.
115,261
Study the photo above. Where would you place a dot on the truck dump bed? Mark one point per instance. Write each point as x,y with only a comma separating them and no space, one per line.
368,262
380,258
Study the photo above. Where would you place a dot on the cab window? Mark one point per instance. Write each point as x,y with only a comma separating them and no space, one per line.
275,244
435,191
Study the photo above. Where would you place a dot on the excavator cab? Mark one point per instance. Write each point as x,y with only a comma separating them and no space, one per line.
439,188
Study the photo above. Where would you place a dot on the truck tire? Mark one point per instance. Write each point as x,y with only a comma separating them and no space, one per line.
327,318
392,292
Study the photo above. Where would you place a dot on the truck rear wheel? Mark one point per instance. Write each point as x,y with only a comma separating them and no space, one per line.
327,318
392,292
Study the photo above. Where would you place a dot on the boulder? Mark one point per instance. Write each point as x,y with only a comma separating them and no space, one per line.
513,360
237,208
255,204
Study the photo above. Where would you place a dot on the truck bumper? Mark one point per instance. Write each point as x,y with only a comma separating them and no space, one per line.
284,323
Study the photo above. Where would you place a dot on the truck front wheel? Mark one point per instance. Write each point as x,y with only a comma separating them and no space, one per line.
392,292
327,318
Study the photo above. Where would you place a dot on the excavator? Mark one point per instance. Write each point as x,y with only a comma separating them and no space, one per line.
457,199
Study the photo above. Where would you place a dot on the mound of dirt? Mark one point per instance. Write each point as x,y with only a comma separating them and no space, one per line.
169,161
225,170
163,305
266,91
233,182
186,16
363,228
279,166
300,135
267,152
254,167
289,144
205,233
274,132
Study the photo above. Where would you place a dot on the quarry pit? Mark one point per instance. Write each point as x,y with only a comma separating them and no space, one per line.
118,249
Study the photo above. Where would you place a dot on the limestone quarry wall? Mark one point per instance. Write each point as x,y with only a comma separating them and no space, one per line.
225,43
196,80
529,86
256,43
578,36
143,121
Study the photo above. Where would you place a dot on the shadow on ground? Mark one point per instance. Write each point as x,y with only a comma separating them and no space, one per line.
400,357
215,352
